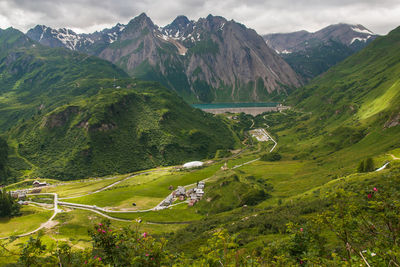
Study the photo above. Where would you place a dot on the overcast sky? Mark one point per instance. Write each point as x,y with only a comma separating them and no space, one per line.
265,16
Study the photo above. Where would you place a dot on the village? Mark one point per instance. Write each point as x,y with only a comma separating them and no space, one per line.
21,194
192,196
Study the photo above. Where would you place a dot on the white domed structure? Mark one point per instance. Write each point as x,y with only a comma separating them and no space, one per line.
193,164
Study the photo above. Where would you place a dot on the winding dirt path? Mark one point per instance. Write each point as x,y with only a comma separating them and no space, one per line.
48,224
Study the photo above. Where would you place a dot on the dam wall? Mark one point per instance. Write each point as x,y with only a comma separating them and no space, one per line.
248,110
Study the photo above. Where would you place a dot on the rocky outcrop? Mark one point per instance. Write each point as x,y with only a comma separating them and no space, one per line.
393,121
60,118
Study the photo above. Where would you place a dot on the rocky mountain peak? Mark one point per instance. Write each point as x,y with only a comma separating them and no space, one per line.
212,23
180,28
180,21
141,21
311,54
344,33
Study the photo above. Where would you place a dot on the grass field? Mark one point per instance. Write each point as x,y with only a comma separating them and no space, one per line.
82,187
31,219
179,213
145,190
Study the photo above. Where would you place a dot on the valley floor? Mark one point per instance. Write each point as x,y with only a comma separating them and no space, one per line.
65,211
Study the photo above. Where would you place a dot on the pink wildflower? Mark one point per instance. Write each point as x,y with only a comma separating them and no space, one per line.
144,234
85,262
147,254
103,231
109,230
100,224
375,189
152,259
99,230
301,229
94,257
117,246
99,259
369,196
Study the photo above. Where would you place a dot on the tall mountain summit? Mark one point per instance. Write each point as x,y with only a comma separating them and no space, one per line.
310,54
208,60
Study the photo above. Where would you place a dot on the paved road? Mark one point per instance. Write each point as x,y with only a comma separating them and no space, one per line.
270,137
265,137
383,167
252,125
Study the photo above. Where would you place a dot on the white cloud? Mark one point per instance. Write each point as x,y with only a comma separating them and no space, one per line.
264,16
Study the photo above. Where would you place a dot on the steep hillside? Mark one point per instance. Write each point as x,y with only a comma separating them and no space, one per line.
311,54
208,60
70,115
364,87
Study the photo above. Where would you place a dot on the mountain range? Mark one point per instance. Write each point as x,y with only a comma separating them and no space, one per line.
311,54
209,60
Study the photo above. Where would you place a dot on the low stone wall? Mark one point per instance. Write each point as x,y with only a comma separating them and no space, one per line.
252,111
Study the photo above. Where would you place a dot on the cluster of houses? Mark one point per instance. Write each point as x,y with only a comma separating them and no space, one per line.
193,195
196,193
21,194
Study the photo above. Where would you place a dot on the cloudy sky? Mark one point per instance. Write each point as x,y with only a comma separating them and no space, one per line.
265,16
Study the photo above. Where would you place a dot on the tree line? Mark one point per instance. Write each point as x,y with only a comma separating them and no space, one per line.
8,205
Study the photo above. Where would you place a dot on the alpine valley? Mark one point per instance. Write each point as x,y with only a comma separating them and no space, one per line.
104,163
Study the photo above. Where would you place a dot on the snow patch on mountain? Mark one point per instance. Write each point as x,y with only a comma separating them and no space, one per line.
362,30
68,38
360,39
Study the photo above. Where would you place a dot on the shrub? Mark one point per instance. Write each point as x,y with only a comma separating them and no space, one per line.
222,153
366,165
273,156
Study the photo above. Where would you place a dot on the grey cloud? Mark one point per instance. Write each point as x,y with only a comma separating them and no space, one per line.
263,16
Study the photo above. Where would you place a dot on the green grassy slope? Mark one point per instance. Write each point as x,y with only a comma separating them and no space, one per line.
65,119
364,88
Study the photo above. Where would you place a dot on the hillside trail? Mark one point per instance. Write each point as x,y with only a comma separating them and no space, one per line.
394,157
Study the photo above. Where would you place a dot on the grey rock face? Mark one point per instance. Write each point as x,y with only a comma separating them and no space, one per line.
345,34
211,59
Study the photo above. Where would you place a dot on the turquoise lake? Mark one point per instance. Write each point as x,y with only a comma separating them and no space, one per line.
234,105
